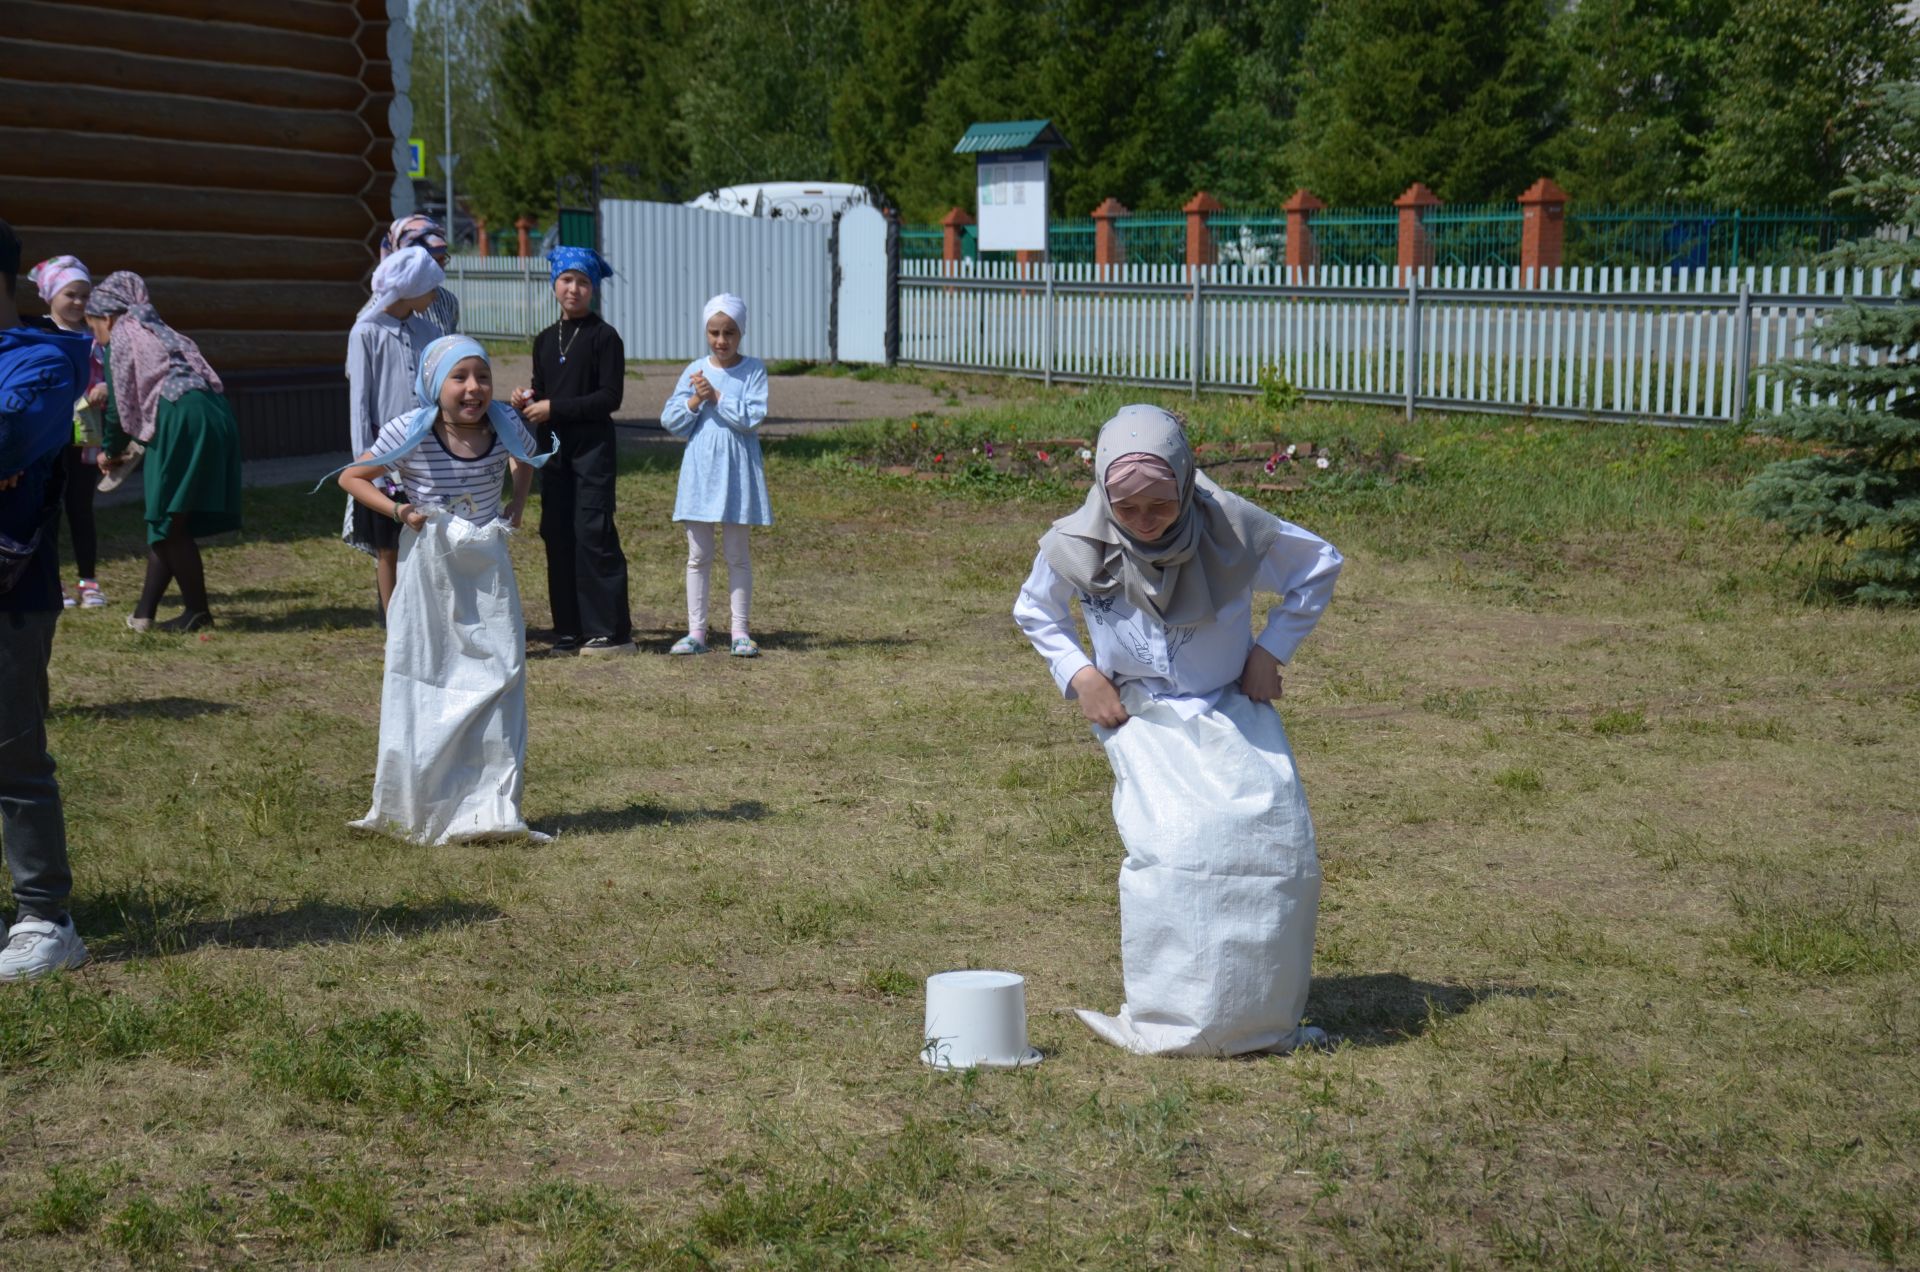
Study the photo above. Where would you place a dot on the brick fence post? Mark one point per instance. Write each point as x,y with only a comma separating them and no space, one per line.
521,224
480,236
1302,251
953,227
1543,230
1199,236
1106,235
1416,249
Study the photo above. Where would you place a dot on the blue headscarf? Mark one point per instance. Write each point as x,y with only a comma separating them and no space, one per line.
582,259
437,360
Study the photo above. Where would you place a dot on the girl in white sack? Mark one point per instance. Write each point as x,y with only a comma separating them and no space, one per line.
1221,885
453,708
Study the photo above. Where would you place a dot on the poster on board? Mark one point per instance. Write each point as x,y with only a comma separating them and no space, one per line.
1012,201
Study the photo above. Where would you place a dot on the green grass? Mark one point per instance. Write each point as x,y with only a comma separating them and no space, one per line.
1616,814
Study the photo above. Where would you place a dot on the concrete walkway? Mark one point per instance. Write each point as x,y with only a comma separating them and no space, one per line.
799,404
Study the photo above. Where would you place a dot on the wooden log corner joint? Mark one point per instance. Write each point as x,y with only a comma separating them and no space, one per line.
237,154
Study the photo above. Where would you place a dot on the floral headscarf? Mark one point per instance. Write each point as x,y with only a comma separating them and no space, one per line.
150,360
583,260
413,231
53,274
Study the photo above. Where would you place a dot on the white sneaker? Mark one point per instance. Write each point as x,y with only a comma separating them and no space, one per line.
37,946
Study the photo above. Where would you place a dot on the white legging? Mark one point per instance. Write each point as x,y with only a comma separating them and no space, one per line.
733,541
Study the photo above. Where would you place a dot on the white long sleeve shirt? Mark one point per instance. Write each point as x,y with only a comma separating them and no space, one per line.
1185,666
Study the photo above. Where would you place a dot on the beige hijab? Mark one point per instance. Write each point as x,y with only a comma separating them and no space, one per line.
1205,559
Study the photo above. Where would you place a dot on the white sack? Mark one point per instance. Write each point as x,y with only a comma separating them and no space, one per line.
1220,887
453,709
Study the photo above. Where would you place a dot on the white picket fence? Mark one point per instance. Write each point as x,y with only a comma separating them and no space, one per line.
1676,346
506,297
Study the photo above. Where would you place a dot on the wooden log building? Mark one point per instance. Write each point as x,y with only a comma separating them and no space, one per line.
239,154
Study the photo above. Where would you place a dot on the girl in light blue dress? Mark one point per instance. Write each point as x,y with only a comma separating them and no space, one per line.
718,405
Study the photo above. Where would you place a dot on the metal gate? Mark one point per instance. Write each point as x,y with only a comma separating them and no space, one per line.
669,259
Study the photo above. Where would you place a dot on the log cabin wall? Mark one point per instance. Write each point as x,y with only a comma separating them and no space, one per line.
236,153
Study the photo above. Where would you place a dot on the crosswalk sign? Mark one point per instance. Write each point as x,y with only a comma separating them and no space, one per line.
416,158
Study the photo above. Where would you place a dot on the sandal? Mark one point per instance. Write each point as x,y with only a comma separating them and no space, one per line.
743,647
689,644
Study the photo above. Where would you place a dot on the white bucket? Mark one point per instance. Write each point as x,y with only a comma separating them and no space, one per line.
977,1018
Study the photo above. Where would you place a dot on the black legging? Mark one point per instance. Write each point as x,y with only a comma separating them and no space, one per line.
82,477
175,558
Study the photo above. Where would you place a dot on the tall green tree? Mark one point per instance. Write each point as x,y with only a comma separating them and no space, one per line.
1454,93
456,45
1637,80
904,46
1222,101
756,86
580,83
1862,488
1792,111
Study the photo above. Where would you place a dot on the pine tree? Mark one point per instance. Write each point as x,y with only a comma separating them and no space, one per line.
1454,93
1862,487
1637,82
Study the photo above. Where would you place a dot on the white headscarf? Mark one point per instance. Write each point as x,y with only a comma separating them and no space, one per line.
408,274
1189,574
729,304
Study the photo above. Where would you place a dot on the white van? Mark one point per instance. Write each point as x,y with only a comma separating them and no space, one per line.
793,200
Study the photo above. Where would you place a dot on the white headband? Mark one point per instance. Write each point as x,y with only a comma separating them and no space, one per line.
729,304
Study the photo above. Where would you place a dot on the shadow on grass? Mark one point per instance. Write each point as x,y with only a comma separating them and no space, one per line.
138,922
1380,1009
643,813
322,618
792,641
141,709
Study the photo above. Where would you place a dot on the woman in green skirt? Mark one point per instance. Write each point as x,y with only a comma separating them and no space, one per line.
163,395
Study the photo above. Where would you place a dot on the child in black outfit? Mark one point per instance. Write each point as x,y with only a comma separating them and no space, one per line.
579,371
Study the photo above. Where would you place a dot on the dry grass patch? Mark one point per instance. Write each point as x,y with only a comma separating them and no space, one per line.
1618,929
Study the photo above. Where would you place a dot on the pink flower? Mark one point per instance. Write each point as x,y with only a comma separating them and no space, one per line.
989,450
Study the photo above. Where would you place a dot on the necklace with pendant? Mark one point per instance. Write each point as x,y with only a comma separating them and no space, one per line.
565,343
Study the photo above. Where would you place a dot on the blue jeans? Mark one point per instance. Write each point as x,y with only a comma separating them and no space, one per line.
33,827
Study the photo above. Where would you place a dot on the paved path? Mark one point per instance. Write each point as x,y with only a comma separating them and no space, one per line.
800,404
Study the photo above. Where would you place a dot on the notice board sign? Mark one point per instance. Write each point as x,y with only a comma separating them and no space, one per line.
1012,202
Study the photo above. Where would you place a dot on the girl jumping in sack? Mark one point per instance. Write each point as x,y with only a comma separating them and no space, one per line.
1221,885
453,708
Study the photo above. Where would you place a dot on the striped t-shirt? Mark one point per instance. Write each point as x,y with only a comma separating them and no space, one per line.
430,475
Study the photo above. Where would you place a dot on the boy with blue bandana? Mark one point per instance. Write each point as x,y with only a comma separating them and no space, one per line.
579,376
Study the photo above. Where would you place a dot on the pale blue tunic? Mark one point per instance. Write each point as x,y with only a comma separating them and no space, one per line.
721,477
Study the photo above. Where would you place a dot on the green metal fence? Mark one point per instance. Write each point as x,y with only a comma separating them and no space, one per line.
1696,237
922,242
1474,234
1462,235
1153,238
1357,236
1255,238
1071,242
